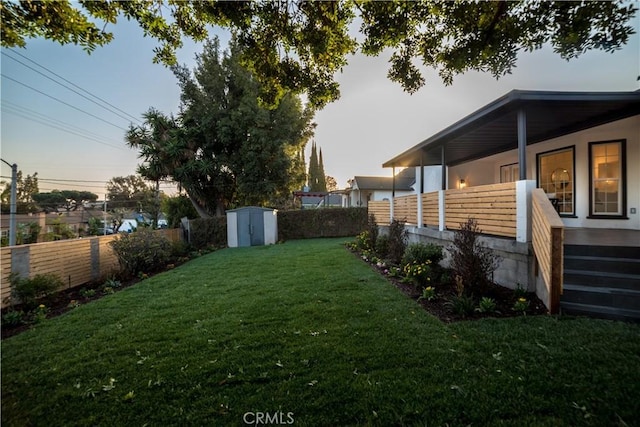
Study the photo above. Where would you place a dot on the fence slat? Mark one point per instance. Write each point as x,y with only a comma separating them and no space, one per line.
70,260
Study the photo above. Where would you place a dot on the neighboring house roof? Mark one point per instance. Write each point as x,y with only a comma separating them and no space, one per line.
403,182
494,128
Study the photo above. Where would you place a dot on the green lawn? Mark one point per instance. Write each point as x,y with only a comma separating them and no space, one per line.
307,328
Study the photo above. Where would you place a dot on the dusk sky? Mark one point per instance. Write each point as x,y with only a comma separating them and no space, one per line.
373,121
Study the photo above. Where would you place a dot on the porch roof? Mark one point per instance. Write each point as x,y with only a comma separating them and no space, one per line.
493,128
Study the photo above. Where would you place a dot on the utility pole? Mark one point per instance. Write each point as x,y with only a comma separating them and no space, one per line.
13,205
104,222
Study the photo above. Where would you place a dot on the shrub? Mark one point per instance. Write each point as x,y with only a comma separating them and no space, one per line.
470,260
397,241
30,291
178,207
428,293
420,253
486,305
207,232
419,274
13,318
372,228
363,242
325,222
462,305
382,246
141,251
521,305
179,249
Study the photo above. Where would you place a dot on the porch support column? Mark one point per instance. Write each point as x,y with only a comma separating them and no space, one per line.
393,192
523,210
443,165
420,191
442,224
522,144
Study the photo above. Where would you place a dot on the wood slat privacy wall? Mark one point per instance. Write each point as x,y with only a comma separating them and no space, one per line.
381,211
430,215
405,208
76,261
547,235
492,206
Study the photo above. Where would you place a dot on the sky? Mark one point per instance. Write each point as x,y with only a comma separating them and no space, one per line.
373,121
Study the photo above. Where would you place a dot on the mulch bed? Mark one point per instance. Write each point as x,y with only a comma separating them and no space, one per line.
61,302
504,298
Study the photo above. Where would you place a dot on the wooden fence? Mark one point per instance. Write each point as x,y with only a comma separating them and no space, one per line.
76,261
381,211
547,233
430,215
493,207
405,208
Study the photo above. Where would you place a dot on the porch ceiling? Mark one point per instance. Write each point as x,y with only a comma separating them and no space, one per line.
493,129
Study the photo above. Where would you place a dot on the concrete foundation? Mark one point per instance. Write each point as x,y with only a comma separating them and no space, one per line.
517,267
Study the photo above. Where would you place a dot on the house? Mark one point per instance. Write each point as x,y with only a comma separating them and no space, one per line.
364,189
532,165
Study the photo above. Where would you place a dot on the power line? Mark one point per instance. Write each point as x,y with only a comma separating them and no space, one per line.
62,129
68,88
74,85
18,110
26,110
62,102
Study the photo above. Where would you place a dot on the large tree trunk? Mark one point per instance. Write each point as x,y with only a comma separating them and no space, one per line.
200,209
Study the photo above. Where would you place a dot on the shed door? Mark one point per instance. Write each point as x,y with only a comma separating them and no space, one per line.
257,228
244,228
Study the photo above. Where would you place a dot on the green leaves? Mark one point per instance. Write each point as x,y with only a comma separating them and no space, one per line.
225,147
299,46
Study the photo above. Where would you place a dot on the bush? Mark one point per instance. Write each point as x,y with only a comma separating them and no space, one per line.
13,318
29,291
372,228
486,305
363,242
462,305
420,274
382,246
472,262
324,222
141,251
397,241
206,232
420,253
176,208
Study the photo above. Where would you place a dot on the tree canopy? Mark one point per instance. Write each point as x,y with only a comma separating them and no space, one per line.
299,46
69,200
225,148
25,189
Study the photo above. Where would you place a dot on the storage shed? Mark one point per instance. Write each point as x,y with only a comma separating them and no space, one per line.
252,226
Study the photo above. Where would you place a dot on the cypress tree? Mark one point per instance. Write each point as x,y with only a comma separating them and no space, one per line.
313,168
322,179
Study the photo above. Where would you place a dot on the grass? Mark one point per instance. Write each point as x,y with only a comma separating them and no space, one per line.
307,328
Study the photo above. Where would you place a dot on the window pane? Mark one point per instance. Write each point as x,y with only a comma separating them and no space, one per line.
606,169
555,174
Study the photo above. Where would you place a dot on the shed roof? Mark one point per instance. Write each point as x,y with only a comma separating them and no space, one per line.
493,128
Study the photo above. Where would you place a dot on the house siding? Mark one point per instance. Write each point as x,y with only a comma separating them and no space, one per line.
487,170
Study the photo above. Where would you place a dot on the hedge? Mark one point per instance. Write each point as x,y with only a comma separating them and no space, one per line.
329,222
301,224
208,232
